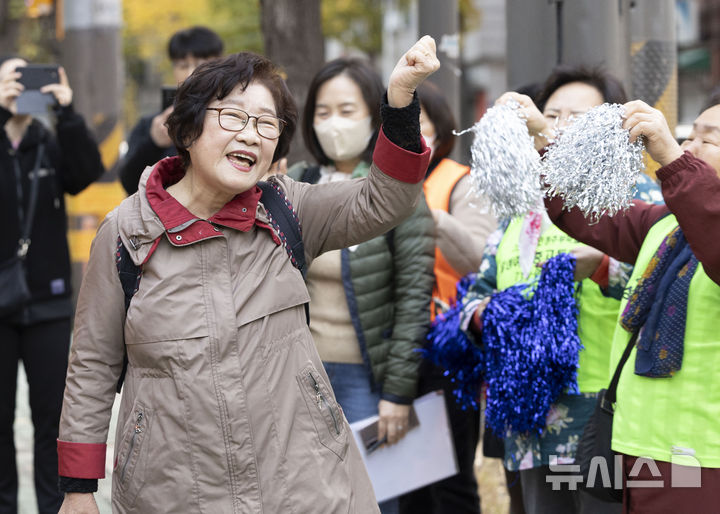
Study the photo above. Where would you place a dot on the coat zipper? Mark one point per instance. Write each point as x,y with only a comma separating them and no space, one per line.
320,399
137,430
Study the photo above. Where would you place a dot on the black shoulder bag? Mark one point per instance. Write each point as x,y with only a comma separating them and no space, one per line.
597,438
14,290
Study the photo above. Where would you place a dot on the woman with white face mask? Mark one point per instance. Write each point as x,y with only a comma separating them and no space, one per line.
369,303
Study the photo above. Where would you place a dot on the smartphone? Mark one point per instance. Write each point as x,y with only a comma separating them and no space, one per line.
35,76
168,96
369,434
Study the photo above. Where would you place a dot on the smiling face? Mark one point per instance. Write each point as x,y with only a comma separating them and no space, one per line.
704,140
224,163
572,99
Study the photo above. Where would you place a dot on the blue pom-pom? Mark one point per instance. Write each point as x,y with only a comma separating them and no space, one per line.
531,346
451,349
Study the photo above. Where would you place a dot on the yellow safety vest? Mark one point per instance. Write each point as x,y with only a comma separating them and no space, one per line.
673,419
597,313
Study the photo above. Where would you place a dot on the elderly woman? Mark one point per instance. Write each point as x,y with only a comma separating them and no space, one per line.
226,406
665,423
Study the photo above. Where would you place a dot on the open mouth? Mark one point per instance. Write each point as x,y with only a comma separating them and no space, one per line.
241,160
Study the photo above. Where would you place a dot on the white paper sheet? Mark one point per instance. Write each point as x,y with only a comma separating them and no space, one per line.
425,455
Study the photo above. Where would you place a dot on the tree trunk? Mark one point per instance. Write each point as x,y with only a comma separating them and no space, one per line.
292,32
9,31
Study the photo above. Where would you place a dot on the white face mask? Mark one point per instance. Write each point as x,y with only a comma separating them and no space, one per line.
343,138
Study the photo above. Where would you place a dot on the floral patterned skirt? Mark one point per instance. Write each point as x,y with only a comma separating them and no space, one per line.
558,442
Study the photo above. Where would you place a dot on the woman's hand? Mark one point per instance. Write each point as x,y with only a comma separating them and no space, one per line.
476,320
537,124
10,88
79,503
393,421
62,92
643,120
416,65
158,129
587,260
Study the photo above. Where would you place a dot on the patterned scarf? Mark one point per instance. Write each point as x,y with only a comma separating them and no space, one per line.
658,308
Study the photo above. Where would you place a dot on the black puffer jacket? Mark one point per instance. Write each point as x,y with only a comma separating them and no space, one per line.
70,163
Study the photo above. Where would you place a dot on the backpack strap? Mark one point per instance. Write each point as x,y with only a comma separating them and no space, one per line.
130,276
283,217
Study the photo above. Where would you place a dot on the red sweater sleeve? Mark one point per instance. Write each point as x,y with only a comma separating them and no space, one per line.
691,189
619,236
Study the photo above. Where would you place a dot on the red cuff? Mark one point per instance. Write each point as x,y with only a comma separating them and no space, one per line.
81,460
601,275
400,164
681,163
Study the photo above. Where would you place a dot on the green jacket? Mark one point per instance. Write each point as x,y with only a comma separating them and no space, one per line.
388,285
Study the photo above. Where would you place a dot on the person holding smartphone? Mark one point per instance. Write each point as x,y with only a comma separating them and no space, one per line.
149,140
35,163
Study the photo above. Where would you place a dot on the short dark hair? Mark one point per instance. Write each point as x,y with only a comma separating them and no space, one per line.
216,79
369,82
438,110
531,89
610,88
195,41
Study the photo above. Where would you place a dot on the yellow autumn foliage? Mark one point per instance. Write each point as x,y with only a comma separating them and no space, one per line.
150,24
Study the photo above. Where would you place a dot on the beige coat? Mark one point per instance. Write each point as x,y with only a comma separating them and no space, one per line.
226,407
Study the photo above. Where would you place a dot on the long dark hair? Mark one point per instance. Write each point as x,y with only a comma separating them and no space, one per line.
438,110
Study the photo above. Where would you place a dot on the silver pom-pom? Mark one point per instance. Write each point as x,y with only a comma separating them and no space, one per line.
593,165
505,167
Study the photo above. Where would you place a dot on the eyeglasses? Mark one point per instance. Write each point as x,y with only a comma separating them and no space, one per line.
235,120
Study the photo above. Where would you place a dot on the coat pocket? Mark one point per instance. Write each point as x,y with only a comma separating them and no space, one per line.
132,458
325,412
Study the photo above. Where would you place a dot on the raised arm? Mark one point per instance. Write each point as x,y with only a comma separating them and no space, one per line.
691,188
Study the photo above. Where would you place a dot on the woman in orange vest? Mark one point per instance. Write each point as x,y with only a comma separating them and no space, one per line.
462,228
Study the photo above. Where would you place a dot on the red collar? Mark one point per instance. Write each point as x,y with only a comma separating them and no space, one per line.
182,226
